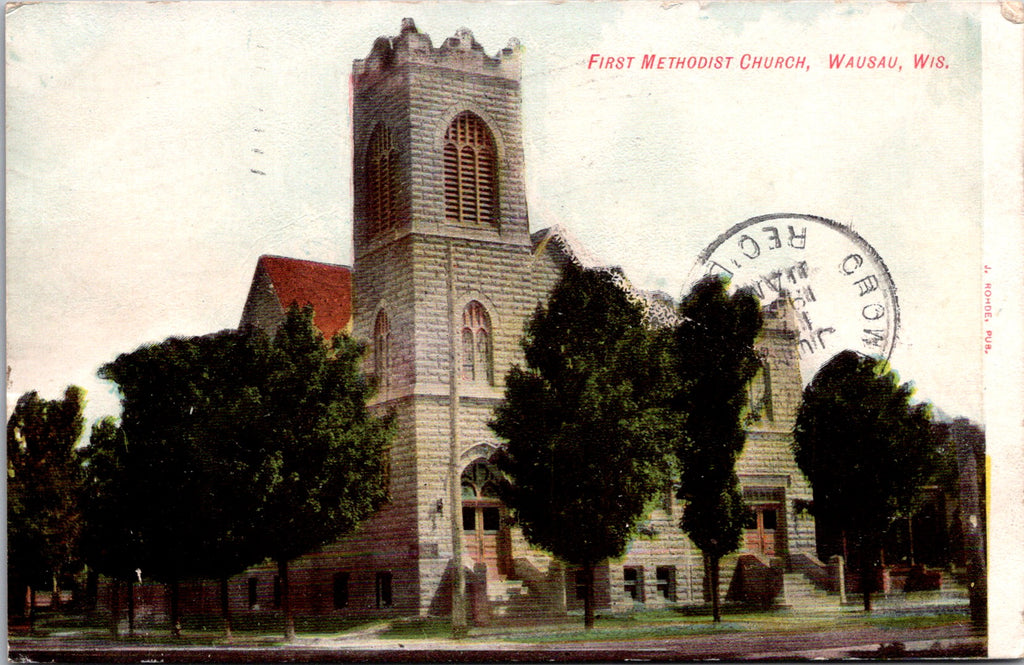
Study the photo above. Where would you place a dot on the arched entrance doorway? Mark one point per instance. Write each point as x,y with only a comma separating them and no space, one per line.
484,525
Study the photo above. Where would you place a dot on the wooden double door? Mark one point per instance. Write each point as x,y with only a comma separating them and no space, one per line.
485,531
761,534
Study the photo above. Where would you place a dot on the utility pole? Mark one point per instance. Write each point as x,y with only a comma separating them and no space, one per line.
459,629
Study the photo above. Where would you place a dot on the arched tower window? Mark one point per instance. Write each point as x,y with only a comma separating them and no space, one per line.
382,180
470,179
477,362
382,350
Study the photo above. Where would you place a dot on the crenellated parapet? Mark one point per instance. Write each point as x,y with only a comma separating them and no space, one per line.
459,52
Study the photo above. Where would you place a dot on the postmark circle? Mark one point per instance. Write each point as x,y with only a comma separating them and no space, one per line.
842,293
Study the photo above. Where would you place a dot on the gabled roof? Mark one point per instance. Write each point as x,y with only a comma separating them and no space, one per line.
325,286
657,306
562,239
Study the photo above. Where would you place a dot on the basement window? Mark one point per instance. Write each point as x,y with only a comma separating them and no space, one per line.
383,590
253,593
633,583
340,590
666,582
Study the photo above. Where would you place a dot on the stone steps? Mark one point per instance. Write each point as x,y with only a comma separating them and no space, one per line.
954,587
504,595
540,561
798,592
502,590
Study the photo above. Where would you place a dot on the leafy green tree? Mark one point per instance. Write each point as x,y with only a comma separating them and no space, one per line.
866,451
241,448
110,542
182,472
587,437
323,455
44,489
715,361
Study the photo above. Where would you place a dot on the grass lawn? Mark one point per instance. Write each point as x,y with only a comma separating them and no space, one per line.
266,629
640,625
668,623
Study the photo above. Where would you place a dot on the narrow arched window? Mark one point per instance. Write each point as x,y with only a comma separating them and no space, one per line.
477,363
470,182
382,350
382,180
468,357
760,395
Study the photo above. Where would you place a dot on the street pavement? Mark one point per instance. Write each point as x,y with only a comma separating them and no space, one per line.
933,642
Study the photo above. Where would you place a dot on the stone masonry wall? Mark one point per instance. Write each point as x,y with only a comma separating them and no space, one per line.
437,95
767,460
383,280
492,274
382,99
262,308
417,90
386,542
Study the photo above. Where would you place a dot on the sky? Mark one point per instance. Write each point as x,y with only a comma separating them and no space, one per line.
156,150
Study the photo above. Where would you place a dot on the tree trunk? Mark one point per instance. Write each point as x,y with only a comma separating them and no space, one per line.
55,592
910,538
286,606
91,583
131,608
225,608
31,608
175,610
24,598
115,607
867,577
716,610
588,597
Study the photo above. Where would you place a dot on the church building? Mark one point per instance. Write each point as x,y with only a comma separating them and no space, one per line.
445,273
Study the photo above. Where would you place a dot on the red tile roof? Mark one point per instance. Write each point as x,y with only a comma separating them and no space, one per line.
325,286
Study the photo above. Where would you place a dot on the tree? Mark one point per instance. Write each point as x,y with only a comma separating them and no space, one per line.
110,536
182,473
242,448
324,456
865,449
587,437
44,486
715,361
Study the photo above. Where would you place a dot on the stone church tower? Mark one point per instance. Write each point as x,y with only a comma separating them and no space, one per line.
442,255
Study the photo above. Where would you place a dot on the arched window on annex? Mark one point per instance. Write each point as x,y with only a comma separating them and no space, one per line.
382,350
470,171
477,351
760,395
382,180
